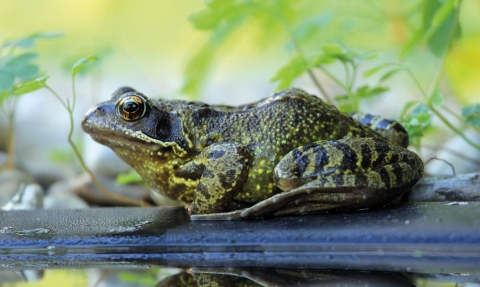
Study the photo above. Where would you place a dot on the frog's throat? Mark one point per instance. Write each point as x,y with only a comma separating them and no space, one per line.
137,136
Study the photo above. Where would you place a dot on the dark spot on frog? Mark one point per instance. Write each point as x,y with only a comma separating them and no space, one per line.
349,159
322,157
361,180
198,116
382,150
223,180
301,162
208,173
216,154
203,190
366,156
338,179
385,176
398,172
158,126
180,188
193,171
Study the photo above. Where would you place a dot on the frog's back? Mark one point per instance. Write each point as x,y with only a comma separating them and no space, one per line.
270,129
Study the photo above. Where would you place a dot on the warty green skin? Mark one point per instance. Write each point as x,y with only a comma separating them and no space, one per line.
215,156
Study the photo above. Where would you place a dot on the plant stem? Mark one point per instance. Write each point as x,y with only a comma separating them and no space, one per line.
334,78
95,181
318,85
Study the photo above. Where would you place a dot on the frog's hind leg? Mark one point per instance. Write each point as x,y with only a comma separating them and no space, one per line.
352,173
389,129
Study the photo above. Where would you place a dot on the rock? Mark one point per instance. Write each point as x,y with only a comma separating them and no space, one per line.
46,173
10,183
83,187
102,160
60,195
28,197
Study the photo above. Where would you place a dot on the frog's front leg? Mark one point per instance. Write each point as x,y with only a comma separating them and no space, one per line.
221,169
343,174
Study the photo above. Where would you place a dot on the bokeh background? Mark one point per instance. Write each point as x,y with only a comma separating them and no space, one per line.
154,47
150,45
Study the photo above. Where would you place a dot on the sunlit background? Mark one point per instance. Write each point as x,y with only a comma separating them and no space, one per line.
154,47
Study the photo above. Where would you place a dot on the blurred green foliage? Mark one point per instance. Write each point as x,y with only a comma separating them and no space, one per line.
302,28
19,73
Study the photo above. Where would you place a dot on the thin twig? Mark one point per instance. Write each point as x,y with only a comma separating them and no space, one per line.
445,161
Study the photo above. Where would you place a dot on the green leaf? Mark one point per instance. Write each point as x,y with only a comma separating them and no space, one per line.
21,59
25,43
29,42
332,49
81,63
407,107
390,73
22,67
6,80
343,97
28,72
3,96
130,177
365,92
321,59
370,55
471,114
407,48
347,108
205,19
436,98
418,122
370,72
289,72
34,85
439,17
47,35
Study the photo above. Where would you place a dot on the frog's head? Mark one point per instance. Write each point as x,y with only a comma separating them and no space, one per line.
133,126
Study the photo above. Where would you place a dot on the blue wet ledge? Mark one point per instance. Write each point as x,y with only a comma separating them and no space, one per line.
427,237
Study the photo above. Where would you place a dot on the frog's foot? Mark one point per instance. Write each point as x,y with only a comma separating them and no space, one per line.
318,196
346,174
221,169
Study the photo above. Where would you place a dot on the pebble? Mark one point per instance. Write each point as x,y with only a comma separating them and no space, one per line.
60,195
84,188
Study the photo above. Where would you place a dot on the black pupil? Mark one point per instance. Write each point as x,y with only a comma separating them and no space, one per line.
130,106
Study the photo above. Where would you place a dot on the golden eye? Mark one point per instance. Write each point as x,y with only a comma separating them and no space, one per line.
131,107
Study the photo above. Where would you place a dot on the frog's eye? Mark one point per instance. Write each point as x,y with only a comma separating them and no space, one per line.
131,107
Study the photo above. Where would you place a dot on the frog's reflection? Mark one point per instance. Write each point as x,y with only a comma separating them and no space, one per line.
282,277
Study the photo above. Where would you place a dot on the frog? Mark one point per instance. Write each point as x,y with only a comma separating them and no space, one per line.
289,153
